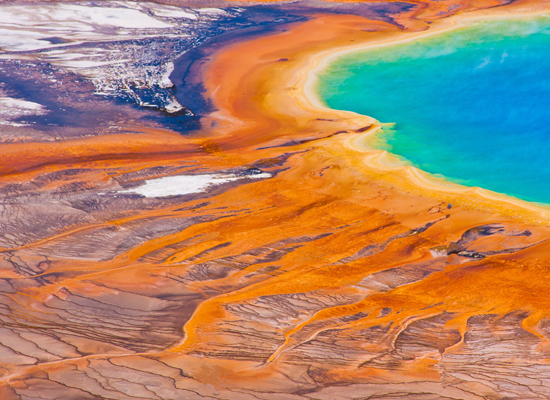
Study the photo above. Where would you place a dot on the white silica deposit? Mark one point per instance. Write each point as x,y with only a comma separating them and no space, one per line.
27,27
11,109
126,49
178,185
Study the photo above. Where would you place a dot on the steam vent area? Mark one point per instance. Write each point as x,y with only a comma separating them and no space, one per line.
279,200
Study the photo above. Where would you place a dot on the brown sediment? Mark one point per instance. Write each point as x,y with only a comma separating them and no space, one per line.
344,268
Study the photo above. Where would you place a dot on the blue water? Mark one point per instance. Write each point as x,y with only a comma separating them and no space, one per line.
472,105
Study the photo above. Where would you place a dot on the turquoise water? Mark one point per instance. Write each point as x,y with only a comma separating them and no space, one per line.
472,105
